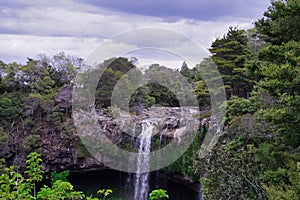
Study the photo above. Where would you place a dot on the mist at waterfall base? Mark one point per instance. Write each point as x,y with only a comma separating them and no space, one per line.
91,182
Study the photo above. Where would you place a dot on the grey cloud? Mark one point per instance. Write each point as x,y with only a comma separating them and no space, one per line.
19,47
34,26
195,9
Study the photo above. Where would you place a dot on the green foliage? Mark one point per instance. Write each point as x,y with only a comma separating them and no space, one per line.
62,68
13,186
281,79
32,142
158,195
237,106
104,193
115,70
3,142
162,95
149,100
161,85
257,158
229,54
202,93
27,101
34,170
233,171
286,118
185,164
2,165
190,74
281,193
280,72
60,190
283,183
281,22
9,107
59,176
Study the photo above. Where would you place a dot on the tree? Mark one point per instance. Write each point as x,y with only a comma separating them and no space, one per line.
190,74
60,190
34,170
281,22
13,186
3,142
232,170
116,69
10,78
10,106
258,156
167,86
279,68
62,68
279,76
229,54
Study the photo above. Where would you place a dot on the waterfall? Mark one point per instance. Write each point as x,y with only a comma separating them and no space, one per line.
141,186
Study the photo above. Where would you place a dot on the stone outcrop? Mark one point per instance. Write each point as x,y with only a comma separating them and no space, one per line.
63,149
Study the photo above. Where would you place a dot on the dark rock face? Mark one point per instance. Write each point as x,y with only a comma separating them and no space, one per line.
138,106
61,147
58,156
180,178
59,152
64,97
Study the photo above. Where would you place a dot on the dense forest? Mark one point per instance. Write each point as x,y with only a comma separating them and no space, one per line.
257,156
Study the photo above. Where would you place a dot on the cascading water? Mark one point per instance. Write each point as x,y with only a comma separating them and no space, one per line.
141,186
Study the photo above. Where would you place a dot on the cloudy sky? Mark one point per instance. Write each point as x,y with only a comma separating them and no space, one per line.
77,27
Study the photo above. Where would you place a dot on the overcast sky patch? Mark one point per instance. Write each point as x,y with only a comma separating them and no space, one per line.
31,27
207,10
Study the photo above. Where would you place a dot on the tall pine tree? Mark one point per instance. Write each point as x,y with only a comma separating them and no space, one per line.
229,54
